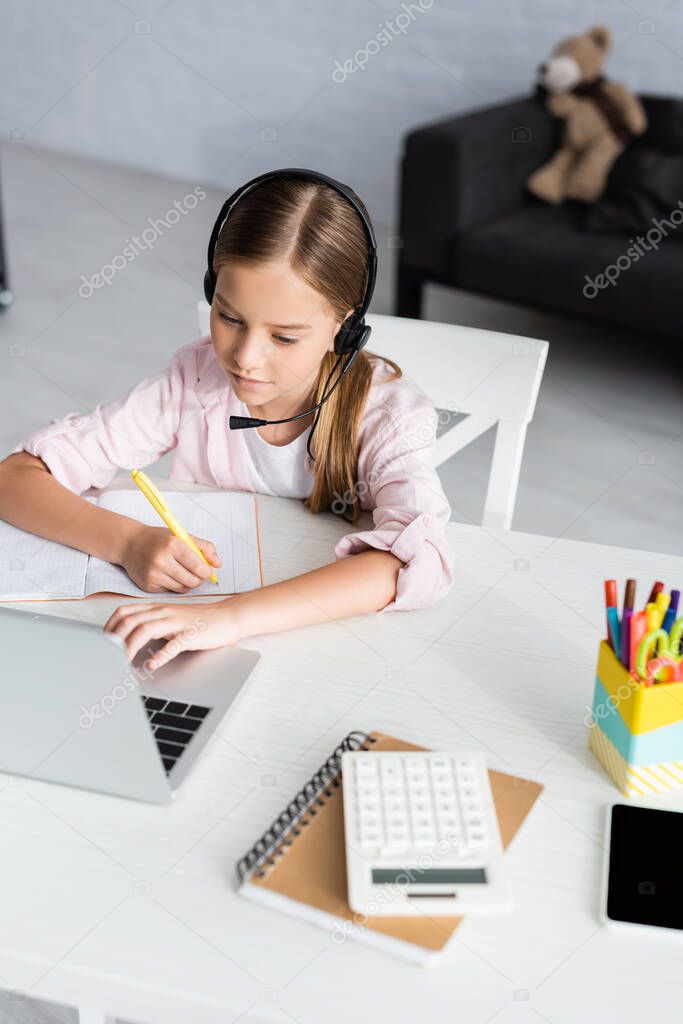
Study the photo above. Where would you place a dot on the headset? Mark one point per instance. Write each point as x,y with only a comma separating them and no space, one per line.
353,334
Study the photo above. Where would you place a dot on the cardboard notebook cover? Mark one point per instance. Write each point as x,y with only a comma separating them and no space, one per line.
312,870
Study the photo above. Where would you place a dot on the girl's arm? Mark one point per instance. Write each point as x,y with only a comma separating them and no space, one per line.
33,500
351,586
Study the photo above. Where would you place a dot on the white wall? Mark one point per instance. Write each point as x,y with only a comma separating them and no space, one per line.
189,88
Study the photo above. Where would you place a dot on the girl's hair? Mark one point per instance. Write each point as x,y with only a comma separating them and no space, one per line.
312,226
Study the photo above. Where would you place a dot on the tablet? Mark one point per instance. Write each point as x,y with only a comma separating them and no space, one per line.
643,868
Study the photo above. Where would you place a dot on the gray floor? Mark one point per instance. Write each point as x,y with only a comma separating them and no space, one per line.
603,454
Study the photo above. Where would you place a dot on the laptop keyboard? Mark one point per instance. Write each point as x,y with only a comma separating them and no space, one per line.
173,724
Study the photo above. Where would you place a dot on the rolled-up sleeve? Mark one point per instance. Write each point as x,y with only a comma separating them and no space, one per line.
86,450
397,480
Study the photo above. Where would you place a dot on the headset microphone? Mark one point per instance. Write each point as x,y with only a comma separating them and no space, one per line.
353,334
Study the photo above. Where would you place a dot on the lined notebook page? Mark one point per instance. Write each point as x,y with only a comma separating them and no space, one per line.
34,569
228,518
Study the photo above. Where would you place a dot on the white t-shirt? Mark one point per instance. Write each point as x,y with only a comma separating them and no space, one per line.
280,469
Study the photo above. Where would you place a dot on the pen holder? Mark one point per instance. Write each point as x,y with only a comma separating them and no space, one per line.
636,731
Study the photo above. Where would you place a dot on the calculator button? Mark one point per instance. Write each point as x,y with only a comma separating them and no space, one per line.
399,836
468,795
370,811
369,820
397,821
418,791
424,835
476,835
370,841
454,834
391,849
424,824
368,797
368,793
448,821
477,839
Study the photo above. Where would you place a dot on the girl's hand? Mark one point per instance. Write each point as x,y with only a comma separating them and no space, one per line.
186,627
157,560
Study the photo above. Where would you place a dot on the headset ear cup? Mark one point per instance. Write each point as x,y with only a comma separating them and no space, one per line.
209,286
351,338
343,341
363,335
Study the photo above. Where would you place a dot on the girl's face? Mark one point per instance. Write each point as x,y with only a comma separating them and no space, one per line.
270,330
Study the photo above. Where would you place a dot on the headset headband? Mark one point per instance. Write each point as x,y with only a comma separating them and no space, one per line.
356,319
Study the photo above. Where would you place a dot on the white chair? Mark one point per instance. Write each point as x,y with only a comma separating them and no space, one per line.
492,378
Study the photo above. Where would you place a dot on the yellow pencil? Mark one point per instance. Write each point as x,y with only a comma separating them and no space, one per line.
159,504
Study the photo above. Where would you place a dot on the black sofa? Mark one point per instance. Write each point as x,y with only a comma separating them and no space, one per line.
467,220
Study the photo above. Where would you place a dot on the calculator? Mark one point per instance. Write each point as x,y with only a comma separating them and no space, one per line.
421,834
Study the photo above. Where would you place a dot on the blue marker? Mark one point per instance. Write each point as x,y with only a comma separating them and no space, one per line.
613,619
671,611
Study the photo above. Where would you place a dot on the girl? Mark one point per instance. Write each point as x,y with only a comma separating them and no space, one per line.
291,264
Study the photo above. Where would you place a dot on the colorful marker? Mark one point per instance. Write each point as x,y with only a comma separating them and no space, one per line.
610,602
652,616
662,604
613,619
638,629
672,611
625,637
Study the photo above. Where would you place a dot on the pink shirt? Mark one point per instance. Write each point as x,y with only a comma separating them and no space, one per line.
185,408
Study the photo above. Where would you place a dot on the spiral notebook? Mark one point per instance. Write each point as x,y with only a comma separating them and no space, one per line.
298,865
35,569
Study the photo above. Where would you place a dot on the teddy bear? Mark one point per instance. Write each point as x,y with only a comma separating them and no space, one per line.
600,117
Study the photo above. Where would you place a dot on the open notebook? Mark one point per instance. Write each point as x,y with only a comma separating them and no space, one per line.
35,569
298,866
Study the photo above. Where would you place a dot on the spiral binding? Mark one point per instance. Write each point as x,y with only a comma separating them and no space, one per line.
276,839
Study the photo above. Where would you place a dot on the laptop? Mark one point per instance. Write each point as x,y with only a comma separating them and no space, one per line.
77,711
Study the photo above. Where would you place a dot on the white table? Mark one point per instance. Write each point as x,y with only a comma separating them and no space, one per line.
131,909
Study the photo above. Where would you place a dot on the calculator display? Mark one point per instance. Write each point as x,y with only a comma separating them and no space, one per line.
433,876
